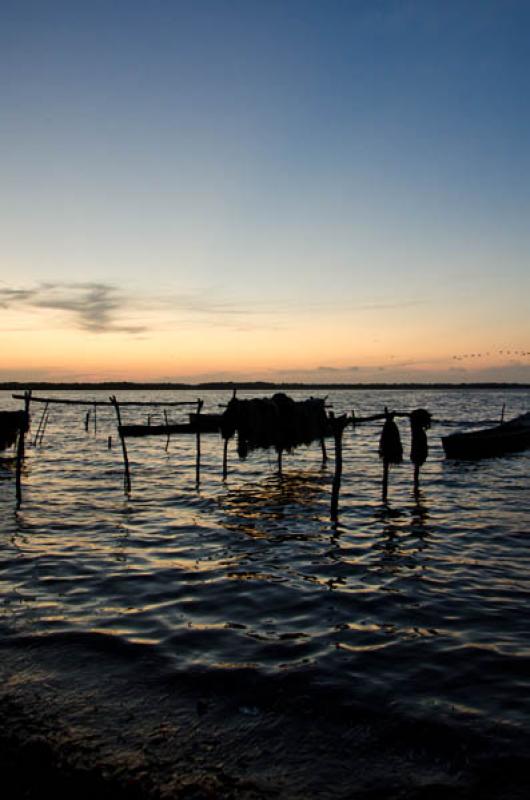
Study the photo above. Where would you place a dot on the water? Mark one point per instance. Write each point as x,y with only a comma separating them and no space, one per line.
419,607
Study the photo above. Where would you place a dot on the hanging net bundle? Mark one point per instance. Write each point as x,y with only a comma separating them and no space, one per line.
278,422
420,421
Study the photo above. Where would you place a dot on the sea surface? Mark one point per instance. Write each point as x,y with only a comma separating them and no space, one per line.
419,606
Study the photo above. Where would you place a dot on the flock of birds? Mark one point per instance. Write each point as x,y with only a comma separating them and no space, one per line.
510,353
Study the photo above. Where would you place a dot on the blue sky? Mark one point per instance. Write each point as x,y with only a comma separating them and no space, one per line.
265,188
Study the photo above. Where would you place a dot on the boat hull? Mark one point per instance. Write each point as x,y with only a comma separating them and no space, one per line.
509,437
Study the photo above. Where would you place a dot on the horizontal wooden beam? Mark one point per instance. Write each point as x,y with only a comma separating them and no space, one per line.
74,402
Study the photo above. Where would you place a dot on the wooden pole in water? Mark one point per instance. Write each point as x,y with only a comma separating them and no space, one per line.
127,474
416,479
200,404
225,459
337,427
40,425
44,426
27,403
280,454
168,433
324,451
20,459
21,449
386,465
385,480
87,420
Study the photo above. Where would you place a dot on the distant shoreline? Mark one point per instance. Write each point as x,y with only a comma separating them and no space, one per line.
250,385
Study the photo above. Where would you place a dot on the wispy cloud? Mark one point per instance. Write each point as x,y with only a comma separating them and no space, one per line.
101,307
95,307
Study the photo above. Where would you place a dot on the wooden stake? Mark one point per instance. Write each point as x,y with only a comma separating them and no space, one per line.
225,459
324,451
18,474
168,433
200,404
280,454
385,480
127,474
44,426
416,479
27,403
40,425
337,426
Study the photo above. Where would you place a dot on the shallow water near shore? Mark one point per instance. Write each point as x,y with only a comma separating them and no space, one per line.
416,608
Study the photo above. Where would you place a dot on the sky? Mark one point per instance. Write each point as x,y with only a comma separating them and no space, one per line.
330,190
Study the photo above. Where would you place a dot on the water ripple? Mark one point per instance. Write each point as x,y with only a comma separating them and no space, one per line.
420,601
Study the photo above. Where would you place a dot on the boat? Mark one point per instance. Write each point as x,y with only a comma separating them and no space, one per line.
199,423
507,437
206,423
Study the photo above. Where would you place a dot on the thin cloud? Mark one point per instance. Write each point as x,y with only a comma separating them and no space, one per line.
95,307
100,307
348,305
10,296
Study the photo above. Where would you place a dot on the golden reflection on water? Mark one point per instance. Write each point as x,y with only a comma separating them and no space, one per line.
249,508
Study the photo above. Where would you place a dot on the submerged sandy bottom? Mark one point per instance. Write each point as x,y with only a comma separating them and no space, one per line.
84,723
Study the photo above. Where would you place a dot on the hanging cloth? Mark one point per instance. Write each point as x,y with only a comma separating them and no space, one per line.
390,447
420,421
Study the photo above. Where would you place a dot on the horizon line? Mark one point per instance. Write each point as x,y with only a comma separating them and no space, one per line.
245,385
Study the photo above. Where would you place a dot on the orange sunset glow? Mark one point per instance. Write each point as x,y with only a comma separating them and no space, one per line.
262,205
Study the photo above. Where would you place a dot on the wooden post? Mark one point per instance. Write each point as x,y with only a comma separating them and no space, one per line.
44,426
225,459
324,451
200,404
280,454
87,420
127,474
386,466
27,403
40,425
385,480
416,480
168,433
20,459
337,427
